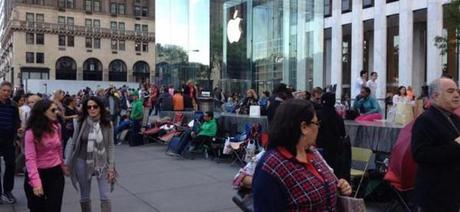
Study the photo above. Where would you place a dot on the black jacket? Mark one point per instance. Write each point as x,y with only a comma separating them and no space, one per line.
437,183
330,136
9,122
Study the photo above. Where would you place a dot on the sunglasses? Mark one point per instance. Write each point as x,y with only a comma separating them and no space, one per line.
54,110
92,107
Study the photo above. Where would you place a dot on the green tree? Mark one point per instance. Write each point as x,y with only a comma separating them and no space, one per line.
452,20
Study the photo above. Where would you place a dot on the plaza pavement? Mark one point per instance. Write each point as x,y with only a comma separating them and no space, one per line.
152,181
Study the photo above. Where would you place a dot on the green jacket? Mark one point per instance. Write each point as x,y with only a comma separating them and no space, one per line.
137,110
208,128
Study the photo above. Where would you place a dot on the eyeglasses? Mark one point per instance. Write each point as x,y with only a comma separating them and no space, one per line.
54,110
93,107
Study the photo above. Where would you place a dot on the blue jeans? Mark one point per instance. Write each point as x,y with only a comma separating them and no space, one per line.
85,183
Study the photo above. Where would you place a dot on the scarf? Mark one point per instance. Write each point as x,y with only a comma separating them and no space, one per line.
95,150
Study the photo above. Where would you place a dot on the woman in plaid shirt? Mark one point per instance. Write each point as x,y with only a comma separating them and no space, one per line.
292,175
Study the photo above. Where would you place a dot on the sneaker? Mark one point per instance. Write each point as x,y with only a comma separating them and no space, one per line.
8,198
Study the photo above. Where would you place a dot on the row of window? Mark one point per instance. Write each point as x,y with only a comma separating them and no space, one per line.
32,57
347,5
89,23
68,40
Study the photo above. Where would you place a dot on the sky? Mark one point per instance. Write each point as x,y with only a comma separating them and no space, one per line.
184,23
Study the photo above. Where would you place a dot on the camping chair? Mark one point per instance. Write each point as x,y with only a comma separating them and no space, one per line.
360,155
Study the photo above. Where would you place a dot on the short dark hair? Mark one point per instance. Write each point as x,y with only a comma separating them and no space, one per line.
285,126
367,89
362,73
6,83
373,73
210,114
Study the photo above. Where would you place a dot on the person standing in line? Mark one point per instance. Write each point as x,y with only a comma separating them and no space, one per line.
436,150
44,181
10,124
137,114
372,84
360,82
90,153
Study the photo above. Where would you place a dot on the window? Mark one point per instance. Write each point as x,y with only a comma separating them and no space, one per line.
121,9
97,25
70,41
137,46
114,44
30,57
145,28
40,39
89,24
137,11
368,3
327,8
113,8
61,40
40,18
89,42
346,6
137,27
113,26
70,4
70,23
97,5
61,21
30,38
121,45
145,11
30,19
97,43
40,57
61,3
88,5
121,27
145,47
389,1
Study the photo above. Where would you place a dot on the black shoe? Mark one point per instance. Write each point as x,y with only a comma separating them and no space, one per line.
8,198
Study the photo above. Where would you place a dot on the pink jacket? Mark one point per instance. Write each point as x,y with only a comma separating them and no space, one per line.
45,154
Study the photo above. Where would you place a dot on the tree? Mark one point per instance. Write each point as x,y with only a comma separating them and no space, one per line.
452,20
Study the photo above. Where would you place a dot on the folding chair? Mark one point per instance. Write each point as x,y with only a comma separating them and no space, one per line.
360,155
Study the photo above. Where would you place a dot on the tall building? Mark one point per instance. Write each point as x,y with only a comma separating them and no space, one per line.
395,38
100,40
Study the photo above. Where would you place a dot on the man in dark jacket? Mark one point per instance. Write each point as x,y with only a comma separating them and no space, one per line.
9,126
436,150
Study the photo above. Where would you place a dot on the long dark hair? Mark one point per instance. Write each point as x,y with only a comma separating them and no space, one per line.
285,126
38,122
104,120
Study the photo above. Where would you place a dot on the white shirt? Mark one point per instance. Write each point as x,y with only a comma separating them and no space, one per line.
24,113
373,86
358,85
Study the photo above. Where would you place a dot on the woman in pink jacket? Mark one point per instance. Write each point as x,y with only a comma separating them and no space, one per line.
44,181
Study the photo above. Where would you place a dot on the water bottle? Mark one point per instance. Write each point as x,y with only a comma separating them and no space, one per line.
250,151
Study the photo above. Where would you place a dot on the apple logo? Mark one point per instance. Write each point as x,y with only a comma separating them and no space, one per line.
233,28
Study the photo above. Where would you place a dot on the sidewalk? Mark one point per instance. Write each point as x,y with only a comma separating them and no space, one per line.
152,181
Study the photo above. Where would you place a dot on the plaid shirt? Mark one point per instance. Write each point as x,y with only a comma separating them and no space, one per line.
309,187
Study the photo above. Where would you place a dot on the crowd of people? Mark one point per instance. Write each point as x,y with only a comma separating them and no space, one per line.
47,138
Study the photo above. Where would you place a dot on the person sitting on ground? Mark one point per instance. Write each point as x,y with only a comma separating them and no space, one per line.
367,106
208,130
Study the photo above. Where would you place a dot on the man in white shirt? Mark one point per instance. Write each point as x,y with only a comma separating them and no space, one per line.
372,83
360,82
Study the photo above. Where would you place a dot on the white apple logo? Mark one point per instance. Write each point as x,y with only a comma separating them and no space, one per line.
233,28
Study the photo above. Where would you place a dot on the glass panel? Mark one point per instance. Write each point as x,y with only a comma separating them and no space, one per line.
30,38
145,28
113,8
114,44
40,39
61,3
40,57
70,21
137,27
61,40
97,25
89,42
113,26
121,45
70,41
97,43
30,57
121,26
137,46
35,75
137,11
121,9
70,4
97,5
145,47
40,18
145,11
88,5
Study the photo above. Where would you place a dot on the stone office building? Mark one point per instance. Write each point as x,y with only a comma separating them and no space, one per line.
99,40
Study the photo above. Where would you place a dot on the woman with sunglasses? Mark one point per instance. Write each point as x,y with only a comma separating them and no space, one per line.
90,153
44,180
292,175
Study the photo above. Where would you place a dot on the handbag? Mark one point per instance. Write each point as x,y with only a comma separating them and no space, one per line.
350,204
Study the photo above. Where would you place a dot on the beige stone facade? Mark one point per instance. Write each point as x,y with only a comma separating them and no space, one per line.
13,64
